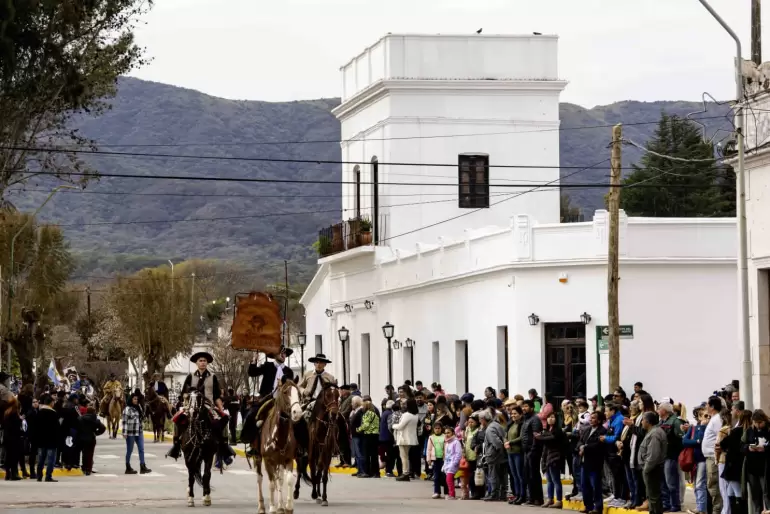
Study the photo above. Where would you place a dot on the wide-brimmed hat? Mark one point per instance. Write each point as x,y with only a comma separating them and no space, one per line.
511,402
205,355
287,351
320,357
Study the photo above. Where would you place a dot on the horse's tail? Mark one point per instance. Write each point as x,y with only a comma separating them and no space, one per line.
302,464
198,476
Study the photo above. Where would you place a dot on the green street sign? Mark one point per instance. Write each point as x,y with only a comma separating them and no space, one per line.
603,345
603,332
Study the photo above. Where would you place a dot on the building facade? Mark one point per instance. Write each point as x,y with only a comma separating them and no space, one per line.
500,295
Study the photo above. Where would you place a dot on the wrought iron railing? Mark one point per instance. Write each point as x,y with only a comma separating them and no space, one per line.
350,234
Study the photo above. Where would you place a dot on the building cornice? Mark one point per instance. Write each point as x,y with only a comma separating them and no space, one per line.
384,87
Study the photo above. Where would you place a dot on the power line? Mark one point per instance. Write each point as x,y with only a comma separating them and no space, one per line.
367,139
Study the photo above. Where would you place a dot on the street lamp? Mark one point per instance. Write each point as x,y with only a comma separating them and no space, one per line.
302,340
410,344
585,318
387,331
533,319
10,272
344,333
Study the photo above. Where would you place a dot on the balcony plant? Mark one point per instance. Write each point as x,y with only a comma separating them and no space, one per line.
323,246
365,227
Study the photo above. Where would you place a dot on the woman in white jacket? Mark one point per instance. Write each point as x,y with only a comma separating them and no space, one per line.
405,432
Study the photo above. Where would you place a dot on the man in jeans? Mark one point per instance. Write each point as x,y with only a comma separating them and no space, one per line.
672,426
533,451
46,435
708,446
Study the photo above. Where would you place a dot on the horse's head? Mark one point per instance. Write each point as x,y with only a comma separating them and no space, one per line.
331,398
287,400
194,402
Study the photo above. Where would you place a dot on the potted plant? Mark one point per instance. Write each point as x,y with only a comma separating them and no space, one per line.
365,227
322,246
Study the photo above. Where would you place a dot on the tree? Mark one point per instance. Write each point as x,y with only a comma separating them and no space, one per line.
42,266
568,212
699,188
58,60
230,365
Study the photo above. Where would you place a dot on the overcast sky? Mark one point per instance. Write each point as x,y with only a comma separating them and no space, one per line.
609,50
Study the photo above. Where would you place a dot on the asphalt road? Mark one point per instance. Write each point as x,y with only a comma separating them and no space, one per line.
164,490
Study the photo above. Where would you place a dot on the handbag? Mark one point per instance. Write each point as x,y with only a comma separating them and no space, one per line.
464,464
479,478
687,457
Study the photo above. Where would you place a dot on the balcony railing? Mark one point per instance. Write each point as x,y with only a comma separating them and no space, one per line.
349,234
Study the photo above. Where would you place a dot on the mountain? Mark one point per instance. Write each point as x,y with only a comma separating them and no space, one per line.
145,115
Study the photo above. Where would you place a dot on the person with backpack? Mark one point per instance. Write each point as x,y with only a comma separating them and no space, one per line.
692,459
672,427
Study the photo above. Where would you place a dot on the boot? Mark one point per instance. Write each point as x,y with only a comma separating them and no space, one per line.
176,450
144,469
130,470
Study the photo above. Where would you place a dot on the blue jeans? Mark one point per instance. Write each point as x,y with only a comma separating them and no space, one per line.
577,472
439,478
46,456
669,488
131,440
701,491
591,487
553,476
358,453
516,465
631,479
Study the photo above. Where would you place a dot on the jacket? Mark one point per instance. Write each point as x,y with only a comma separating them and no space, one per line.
494,449
756,462
693,439
370,423
308,381
406,430
594,451
654,449
468,436
356,418
436,445
553,440
614,429
89,427
46,431
514,437
529,428
267,371
452,454
346,406
731,446
544,413
385,434
672,426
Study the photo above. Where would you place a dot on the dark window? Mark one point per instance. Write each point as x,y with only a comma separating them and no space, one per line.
357,176
474,181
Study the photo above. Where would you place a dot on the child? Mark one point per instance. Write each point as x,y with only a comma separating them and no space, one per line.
453,452
89,427
436,460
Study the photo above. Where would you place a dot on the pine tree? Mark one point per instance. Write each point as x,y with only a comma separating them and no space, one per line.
687,189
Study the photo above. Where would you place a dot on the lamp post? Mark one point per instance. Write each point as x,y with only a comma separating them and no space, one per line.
387,331
10,276
344,334
410,344
301,341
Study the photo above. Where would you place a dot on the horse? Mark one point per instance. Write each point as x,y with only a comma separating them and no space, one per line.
278,448
158,409
114,412
198,446
324,430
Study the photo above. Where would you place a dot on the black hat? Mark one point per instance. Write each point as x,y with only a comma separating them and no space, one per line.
205,355
287,351
320,357
345,387
4,376
112,375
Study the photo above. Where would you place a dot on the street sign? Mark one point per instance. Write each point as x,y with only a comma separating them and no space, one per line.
603,332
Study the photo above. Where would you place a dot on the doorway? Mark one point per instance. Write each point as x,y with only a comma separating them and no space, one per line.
565,360
366,365
461,369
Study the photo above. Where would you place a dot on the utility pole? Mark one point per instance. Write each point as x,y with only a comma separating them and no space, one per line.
612,257
756,32
286,341
747,386
88,302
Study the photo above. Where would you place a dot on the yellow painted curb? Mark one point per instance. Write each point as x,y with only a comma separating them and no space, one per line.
572,505
57,472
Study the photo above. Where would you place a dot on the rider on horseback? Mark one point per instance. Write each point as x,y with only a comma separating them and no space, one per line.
207,384
111,385
272,373
314,380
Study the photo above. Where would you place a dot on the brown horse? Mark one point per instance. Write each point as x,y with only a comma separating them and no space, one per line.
278,447
114,414
325,428
158,409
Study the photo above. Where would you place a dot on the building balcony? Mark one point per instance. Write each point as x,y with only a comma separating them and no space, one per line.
350,234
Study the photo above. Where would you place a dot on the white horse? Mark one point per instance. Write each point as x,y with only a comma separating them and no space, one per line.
277,450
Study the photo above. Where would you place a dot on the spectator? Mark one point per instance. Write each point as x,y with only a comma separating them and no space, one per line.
532,453
614,460
672,427
387,442
653,455
356,418
435,459
406,436
729,457
89,427
452,456
592,451
133,434
755,442
45,437
12,439
495,457
554,443
469,452
370,430
31,419
513,447
693,437
537,402
708,447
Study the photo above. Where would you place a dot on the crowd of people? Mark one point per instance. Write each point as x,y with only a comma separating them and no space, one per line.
630,451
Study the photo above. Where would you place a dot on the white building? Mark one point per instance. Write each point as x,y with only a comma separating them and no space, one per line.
464,284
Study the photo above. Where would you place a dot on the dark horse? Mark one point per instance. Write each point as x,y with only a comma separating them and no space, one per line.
199,446
158,410
325,427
